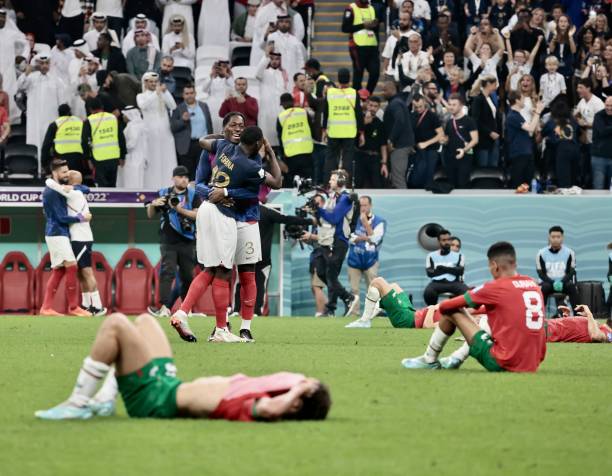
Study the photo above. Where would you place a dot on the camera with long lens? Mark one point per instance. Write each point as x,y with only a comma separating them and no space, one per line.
172,200
304,187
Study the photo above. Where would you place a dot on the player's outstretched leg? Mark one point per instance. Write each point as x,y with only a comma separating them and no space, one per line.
117,342
198,287
446,328
378,288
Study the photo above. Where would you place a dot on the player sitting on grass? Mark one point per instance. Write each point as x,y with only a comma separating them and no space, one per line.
146,379
515,310
583,328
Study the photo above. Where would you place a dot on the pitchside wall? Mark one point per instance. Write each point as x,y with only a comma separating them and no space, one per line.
479,219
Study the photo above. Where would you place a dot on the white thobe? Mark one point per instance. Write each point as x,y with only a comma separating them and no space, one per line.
45,93
217,90
132,174
178,7
161,154
60,60
129,43
292,52
183,57
111,8
13,43
273,83
214,24
266,15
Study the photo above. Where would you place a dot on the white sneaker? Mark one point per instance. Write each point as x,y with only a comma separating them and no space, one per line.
359,324
223,335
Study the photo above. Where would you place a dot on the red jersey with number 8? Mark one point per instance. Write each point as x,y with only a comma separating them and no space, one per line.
515,307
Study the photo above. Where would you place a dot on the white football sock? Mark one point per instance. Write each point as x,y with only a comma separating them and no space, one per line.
86,300
95,299
369,307
87,382
246,324
108,391
435,346
462,353
484,325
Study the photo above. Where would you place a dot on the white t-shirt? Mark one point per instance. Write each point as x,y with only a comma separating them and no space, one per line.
421,10
411,63
489,68
111,8
522,70
551,85
390,47
76,203
588,110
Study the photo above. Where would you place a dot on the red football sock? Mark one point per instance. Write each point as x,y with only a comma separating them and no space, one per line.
221,298
56,277
248,294
196,290
71,287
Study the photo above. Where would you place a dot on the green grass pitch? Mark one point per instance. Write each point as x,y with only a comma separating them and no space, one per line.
385,420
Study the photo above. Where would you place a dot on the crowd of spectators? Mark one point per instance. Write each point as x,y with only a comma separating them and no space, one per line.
509,90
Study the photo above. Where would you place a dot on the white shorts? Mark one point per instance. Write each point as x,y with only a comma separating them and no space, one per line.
60,250
216,237
248,248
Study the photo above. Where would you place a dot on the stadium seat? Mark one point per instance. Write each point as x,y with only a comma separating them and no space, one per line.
244,71
487,178
16,284
104,277
21,163
133,282
240,54
18,135
211,52
42,275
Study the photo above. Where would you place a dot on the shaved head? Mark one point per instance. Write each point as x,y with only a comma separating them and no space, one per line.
75,177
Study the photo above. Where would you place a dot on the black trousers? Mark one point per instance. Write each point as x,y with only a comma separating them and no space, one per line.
334,259
191,158
521,170
339,152
367,170
458,170
298,165
106,172
569,288
365,58
173,256
567,160
75,162
73,26
435,288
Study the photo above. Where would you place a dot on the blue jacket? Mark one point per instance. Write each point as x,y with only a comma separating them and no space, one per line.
173,215
364,254
54,208
337,216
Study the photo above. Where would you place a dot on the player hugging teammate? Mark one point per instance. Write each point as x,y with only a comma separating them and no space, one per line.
227,225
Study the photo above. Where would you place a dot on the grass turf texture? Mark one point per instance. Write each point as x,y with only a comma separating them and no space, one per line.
384,419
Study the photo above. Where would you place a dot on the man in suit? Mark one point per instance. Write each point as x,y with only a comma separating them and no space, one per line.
486,114
190,121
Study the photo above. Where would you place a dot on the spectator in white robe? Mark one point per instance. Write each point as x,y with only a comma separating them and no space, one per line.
291,49
99,24
179,43
141,22
61,55
217,86
45,92
273,81
113,9
13,43
131,175
183,8
156,103
214,24
266,15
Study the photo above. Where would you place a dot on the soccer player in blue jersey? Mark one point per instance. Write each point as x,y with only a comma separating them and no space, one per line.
57,237
228,226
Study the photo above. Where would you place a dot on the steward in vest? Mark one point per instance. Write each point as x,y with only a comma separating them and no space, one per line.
106,143
361,24
64,140
178,205
293,130
342,121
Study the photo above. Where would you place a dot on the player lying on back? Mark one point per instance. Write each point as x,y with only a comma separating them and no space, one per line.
515,310
582,328
146,379
396,303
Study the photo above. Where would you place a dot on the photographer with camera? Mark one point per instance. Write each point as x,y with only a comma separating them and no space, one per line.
178,206
336,214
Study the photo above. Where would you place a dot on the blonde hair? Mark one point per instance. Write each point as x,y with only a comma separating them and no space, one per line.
533,95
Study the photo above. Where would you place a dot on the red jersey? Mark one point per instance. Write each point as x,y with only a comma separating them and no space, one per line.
568,329
515,307
419,315
237,404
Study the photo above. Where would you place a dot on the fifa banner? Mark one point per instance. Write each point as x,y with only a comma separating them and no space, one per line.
98,197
